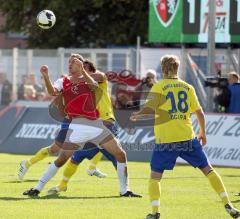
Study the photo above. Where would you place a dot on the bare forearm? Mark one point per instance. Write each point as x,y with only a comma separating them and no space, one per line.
201,120
49,86
146,111
90,81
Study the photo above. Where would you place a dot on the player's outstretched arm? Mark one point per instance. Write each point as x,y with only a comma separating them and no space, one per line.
144,112
201,121
51,90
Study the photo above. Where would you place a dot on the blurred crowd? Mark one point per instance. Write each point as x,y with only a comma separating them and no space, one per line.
29,89
127,90
5,90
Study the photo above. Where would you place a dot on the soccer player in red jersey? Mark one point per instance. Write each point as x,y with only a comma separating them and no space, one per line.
54,148
78,92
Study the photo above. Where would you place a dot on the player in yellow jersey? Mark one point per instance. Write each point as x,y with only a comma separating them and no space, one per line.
106,114
172,101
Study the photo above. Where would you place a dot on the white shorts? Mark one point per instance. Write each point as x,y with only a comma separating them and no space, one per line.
82,130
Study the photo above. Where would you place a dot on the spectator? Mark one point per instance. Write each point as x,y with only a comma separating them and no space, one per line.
148,81
41,96
5,90
21,87
124,101
29,92
152,74
234,87
144,87
37,86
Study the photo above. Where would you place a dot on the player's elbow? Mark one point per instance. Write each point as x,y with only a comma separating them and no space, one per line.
200,113
93,86
52,93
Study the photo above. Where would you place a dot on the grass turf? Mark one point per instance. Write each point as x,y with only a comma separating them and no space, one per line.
186,193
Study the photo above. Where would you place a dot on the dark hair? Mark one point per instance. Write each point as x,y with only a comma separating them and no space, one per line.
91,67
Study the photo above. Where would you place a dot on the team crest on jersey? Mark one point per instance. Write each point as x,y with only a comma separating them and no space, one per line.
75,89
166,10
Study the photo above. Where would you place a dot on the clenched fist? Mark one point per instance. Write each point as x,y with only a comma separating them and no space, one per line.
44,70
78,63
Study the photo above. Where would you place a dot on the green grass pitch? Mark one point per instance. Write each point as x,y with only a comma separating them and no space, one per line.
186,193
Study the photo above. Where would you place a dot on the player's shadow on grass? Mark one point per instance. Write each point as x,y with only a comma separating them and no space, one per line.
233,176
236,201
58,196
164,178
18,181
14,198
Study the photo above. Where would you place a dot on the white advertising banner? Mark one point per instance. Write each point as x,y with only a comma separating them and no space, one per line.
222,21
223,135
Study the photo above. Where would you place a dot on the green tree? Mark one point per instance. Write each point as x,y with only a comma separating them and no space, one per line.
80,23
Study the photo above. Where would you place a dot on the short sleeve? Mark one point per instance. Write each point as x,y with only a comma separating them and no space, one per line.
153,98
58,84
194,103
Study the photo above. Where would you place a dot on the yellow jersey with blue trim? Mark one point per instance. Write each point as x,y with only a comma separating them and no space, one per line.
173,101
104,104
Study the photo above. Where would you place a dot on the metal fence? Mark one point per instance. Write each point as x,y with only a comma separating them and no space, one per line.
18,62
29,61
226,60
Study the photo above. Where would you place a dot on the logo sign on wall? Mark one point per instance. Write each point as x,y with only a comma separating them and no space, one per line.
164,22
166,10
186,21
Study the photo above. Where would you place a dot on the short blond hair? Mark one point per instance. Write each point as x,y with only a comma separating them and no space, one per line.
170,65
78,56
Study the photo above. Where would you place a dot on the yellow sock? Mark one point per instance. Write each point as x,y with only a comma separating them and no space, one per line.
218,186
95,161
154,189
69,170
41,154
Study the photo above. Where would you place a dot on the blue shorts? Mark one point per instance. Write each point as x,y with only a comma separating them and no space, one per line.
90,150
63,131
165,155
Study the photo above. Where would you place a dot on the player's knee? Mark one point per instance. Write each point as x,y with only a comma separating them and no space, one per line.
59,163
121,156
58,144
61,160
156,175
74,162
53,149
206,170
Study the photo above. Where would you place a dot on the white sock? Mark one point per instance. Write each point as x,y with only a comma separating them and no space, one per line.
123,177
50,173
